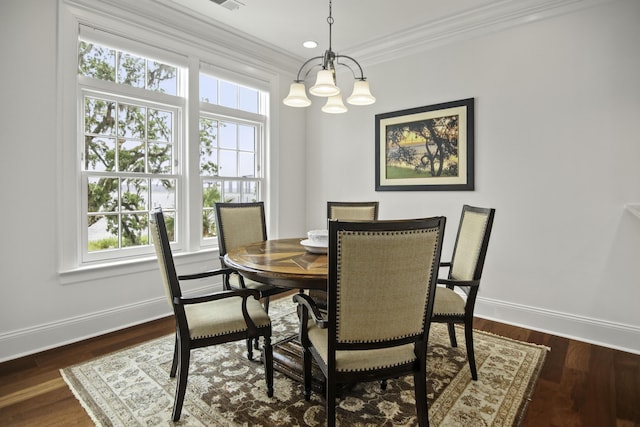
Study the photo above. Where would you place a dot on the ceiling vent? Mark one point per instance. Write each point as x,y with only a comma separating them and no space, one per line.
229,4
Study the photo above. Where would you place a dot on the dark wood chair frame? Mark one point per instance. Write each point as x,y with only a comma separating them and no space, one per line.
183,342
307,309
470,288
266,291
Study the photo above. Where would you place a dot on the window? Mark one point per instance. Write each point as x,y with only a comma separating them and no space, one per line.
132,124
229,148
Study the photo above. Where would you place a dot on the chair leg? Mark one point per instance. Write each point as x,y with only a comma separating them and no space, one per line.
181,387
420,389
306,372
176,356
468,334
331,403
267,356
266,304
452,334
249,349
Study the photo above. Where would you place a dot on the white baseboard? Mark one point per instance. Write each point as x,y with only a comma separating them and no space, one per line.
42,337
594,331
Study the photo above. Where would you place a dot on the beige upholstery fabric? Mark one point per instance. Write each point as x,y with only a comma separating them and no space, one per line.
471,234
241,226
221,317
165,280
448,303
369,264
360,360
352,213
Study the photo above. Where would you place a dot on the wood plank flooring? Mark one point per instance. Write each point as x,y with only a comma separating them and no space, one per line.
580,384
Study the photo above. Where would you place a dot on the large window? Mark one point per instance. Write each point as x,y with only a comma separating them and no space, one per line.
133,122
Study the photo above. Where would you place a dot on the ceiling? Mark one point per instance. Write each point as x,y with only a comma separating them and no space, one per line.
370,28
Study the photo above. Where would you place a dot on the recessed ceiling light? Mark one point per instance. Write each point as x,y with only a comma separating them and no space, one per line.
310,44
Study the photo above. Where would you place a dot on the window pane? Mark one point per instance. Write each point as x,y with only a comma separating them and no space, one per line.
99,116
228,163
228,94
131,156
100,154
208,89
248,99
210,195
96,61
102,194
131,121
134,195
163,193
162,78
102,232
160,158
247,166
135,231
228,135
246,138
160,125
131,70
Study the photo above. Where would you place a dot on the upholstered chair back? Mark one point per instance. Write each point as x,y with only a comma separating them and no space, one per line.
239,224
352,211
385,281
165,259
466,263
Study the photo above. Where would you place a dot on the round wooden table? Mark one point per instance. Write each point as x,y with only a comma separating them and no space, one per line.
284,263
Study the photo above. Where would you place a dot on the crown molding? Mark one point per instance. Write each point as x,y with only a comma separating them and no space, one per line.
485,19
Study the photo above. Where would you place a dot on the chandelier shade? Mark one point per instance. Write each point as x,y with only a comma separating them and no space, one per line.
325,84
334,105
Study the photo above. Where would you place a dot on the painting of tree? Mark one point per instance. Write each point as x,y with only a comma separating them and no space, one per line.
426,148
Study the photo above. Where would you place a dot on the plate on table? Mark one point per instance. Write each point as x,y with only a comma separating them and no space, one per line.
313,247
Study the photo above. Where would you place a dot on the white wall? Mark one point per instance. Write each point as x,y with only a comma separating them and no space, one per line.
38,308
557,149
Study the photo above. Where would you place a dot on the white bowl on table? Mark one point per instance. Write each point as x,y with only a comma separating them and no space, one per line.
317,241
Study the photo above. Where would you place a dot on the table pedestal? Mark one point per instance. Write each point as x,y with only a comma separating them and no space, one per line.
287,359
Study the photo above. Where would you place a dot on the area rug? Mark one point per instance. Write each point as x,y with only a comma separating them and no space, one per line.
132,387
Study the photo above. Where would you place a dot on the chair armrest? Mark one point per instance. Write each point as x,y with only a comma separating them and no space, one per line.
453,282
204,274
243,293
307,302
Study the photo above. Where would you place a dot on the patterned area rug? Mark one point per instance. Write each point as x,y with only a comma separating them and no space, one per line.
132,387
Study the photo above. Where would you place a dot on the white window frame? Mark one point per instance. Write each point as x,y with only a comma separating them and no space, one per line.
73,14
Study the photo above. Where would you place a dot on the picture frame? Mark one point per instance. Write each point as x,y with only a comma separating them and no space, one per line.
428,148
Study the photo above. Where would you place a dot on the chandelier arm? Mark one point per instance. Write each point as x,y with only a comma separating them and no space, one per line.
362,77
298,80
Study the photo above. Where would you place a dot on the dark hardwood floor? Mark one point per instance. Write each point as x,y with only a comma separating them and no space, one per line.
580,384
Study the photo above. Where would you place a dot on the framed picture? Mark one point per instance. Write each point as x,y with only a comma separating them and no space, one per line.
426,148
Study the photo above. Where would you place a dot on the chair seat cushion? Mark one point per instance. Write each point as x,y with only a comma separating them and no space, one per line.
448,303
213,318
234,281
360,360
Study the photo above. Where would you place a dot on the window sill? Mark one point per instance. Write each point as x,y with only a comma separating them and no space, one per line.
208,257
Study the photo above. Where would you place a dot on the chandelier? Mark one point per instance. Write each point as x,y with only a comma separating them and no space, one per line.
325,85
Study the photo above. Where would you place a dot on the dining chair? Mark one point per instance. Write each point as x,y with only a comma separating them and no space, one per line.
464,273
381,285
345,211
239,224
206,320
352,210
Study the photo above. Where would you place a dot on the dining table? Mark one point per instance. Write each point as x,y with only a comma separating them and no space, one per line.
285,263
